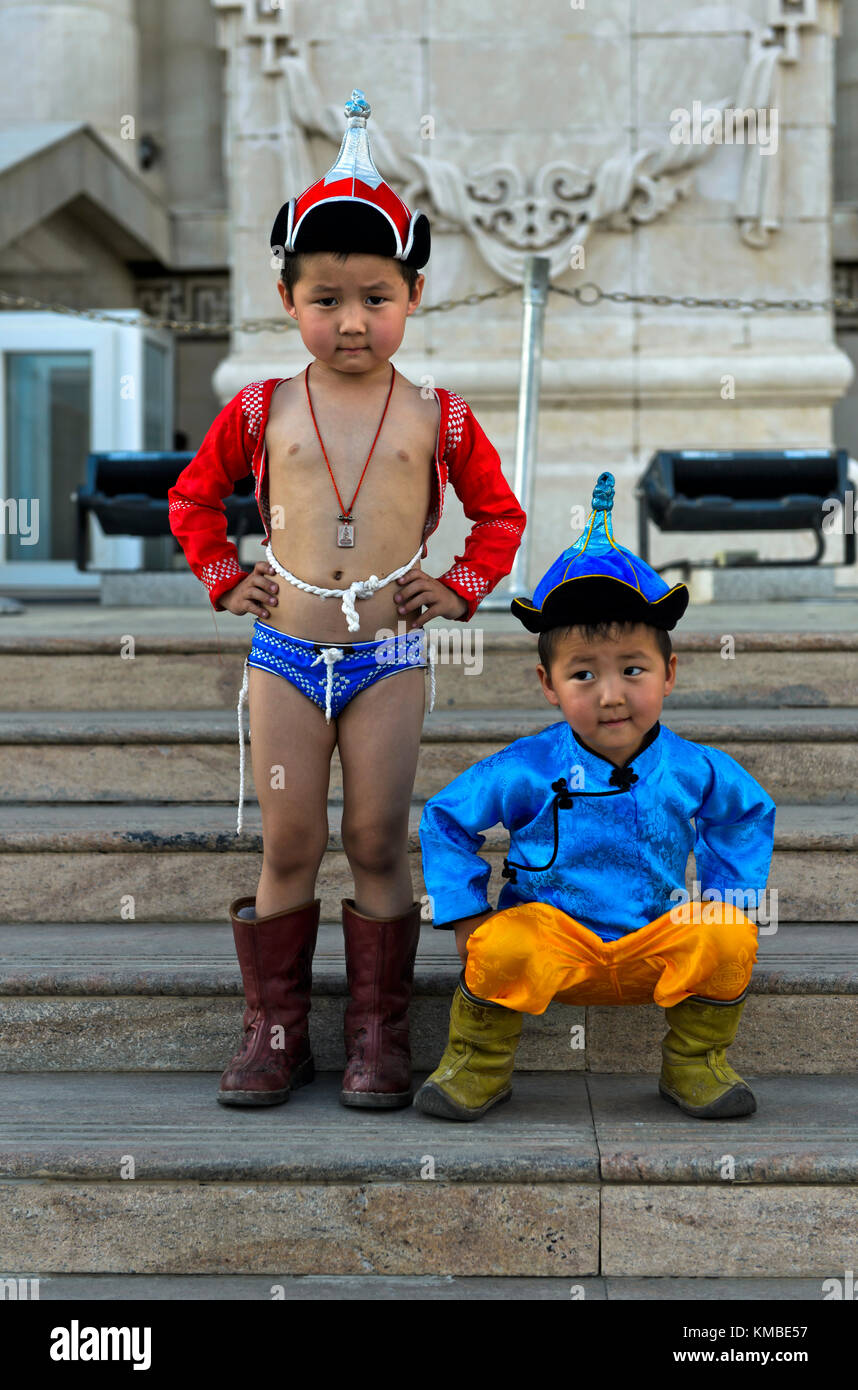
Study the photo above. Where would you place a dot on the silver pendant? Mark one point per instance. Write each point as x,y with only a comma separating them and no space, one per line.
346,532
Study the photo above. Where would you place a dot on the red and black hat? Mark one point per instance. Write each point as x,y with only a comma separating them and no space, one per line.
352,208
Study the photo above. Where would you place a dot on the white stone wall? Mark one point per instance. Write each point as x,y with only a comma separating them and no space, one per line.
126,69
246,104
182,103
62,61
524,86
846,129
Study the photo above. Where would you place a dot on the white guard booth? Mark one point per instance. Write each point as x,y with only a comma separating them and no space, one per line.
68,387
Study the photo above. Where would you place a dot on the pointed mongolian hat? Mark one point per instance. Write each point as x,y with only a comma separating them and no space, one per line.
597,580
352,208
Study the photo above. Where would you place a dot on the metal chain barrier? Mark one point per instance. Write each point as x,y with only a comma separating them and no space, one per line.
281,325
586,295
594,294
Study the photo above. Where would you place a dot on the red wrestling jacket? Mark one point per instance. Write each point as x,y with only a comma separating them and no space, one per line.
235,446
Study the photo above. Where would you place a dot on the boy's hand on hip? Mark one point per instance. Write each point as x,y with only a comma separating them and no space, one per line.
417,590
252,592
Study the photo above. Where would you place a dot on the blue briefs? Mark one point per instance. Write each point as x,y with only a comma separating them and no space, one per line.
330,674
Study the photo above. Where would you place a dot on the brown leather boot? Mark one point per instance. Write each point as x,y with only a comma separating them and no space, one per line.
380,955
276,957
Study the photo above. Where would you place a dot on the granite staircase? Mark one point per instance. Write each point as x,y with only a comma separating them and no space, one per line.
120,1002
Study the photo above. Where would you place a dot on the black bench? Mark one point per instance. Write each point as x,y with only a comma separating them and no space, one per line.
127,492
746,490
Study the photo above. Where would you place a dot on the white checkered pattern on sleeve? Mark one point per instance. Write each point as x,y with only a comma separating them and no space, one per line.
475,584
499,521
458,410
251,405
220,569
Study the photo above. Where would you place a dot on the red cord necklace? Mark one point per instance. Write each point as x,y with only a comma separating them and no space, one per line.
346,527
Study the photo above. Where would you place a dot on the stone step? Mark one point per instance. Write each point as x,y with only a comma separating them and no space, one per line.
578,1175
184,862
168,997
184,1288
122,666
808,755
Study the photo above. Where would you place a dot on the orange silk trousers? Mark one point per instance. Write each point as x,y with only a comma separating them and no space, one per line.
526,956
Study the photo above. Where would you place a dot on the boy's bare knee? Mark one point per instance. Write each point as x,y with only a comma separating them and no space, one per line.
293,852
372,849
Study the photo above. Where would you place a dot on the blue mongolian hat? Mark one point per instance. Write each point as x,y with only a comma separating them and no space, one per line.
596,580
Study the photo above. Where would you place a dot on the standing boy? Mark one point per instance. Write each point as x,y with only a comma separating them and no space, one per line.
351,462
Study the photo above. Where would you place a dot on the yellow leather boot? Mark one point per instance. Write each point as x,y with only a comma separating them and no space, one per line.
475,1070
695,1074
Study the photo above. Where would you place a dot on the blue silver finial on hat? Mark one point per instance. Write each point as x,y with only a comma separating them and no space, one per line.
354,160
357,105
597,580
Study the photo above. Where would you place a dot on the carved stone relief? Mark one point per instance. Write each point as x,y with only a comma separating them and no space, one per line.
510,213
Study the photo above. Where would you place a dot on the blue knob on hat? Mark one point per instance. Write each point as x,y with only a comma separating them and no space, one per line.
603,493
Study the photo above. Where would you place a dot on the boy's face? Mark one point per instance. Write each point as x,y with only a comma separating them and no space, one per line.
611,689
351,313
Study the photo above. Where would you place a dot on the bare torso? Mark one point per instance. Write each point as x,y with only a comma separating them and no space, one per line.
390,511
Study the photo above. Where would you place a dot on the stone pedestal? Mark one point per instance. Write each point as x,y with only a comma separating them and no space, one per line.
762,584
152,589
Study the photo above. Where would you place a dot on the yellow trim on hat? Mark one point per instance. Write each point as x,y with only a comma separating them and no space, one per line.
609,532
583,547
613,580
619,549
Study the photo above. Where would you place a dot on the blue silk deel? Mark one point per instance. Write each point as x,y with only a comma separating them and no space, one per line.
620,858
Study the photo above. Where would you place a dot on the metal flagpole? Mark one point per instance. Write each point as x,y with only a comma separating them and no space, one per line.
534,297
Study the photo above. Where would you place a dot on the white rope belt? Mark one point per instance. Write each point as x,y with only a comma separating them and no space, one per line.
329,655
361,588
